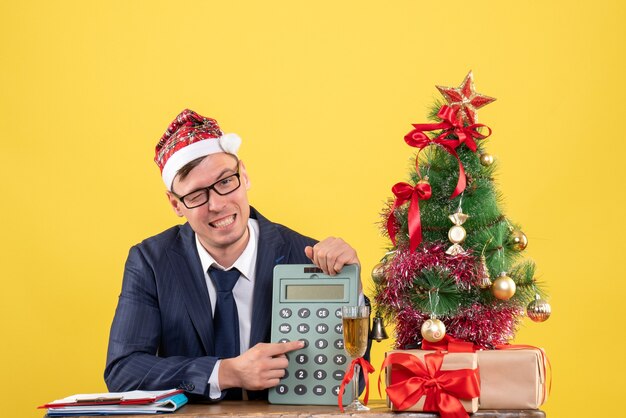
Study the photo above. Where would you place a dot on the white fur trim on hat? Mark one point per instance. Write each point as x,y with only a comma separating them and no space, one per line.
228,143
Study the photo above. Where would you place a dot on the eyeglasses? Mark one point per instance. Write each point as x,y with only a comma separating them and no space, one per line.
222,187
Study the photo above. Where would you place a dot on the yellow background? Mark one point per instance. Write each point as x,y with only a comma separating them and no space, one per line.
322,94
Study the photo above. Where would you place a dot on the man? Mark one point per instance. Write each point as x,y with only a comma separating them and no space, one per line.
177,325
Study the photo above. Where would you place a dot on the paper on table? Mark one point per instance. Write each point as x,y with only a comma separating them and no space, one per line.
167,404
123,398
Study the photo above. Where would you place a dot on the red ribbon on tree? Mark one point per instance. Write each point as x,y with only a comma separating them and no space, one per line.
450,125
367,369
404,192
442,389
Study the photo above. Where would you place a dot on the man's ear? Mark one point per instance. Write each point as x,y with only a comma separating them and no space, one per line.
244,175
176,204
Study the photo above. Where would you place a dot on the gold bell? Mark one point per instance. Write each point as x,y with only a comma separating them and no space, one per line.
378,332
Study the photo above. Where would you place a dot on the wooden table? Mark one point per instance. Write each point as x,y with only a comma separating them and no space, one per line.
378,409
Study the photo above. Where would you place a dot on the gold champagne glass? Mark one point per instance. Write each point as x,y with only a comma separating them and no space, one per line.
356,321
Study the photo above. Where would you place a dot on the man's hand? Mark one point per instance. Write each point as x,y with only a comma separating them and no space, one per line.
331,255
261,367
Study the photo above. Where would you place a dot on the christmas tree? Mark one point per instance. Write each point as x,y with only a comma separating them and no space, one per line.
455,266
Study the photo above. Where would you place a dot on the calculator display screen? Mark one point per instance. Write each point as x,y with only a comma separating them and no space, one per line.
314,292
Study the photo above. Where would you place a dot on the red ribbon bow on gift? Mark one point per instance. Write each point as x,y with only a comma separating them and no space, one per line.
404,192
450,125
367,369
442,389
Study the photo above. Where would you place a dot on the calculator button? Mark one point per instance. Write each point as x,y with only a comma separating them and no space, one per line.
301,359
305,341
339,328
338,313
284,328
286,374
303,328
338,374
339,344
319,390
319,374
304,313
321,359
321,328
283,340
285,313
321,343
322,313
301,374
335,390
339,359
282,389
300,390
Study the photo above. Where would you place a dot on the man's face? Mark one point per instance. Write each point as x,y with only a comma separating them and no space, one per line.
222,223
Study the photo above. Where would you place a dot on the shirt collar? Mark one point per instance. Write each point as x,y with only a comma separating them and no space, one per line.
246,261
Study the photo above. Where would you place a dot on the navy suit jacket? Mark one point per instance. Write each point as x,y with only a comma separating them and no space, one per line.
162,332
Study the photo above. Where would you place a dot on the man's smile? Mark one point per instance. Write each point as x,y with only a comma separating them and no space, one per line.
223,222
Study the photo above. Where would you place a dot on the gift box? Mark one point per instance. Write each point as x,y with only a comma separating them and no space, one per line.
512,378
419,380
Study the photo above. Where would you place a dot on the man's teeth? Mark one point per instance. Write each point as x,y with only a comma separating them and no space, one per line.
224,222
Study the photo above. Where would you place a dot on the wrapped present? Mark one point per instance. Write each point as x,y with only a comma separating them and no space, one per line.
512,378
419,380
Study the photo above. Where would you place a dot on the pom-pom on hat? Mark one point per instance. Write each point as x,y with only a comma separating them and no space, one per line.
191,136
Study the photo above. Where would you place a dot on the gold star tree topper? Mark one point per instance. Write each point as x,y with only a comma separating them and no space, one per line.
464,100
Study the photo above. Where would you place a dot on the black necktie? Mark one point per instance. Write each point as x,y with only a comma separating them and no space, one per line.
225,318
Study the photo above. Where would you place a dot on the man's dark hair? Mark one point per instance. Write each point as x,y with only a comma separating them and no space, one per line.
186,169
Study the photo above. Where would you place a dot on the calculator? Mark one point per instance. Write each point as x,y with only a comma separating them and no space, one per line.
306,306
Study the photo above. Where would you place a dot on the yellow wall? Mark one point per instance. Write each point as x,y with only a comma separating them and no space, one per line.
321,93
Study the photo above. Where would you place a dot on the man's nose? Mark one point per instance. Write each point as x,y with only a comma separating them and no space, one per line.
216,201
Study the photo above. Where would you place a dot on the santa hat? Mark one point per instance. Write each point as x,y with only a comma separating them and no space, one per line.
191,136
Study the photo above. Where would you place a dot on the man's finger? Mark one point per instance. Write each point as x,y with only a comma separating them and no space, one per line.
277,363
308,251
282,348
275,374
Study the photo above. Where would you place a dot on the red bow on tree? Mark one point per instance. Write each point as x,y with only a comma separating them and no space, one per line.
404,192
451,125
442,389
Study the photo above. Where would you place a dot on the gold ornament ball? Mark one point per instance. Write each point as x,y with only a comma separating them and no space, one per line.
519,240
538,310
433,330
486,159
503,287
378,273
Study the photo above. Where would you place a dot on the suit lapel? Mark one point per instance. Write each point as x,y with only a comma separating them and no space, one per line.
271,249
188,271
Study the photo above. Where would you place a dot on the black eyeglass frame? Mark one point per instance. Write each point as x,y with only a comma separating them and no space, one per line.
208,189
